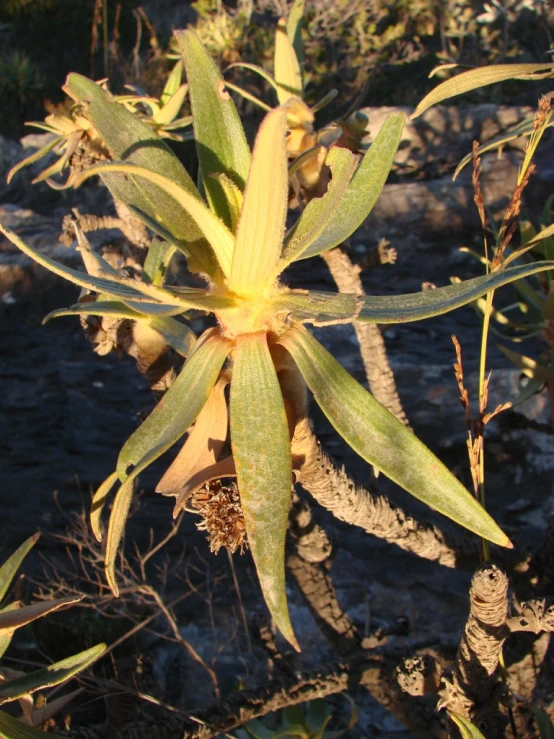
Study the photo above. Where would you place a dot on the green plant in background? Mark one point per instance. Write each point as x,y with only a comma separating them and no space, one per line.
20,686
236,239
295,721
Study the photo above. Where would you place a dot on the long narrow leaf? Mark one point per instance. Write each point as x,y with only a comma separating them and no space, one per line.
179,407
216,233
261,449
98,502
220,139
364,189
286,66
322,308
261,226
34,157
481,77
379,438
294,30
14,619
49,676
320,211
13,563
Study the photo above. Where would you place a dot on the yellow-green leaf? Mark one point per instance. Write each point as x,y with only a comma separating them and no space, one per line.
216,233
14,619
98,502
364,188
294,30
261,225
179,407
48,676
261,449
320,211
480,77
11,728
13,563
468,730
383,441
322,308
34,157
286,66
171,109
529,367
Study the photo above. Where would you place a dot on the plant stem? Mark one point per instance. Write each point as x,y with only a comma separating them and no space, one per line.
482,393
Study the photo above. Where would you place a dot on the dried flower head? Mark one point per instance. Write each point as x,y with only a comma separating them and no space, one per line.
222,517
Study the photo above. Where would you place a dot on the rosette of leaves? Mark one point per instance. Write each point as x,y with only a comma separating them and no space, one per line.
20,686
236,238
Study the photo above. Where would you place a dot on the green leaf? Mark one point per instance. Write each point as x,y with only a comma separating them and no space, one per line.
123,288
48,676
261,449
379,438
116,527
14,619
320,211
34,157
248,96
234,197
258,70
294,30
11,728
286,66
364,189
529,367
171,109
157,261
546,233
323,308
215,232
524,128
132,140
544,723
98,502
176,334
481,77
11,565
179,407
220,139
261,226
468,730
173,83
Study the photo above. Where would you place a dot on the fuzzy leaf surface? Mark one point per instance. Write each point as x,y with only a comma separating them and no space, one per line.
220,139
261,450
130,139
286,66
320,211
322,308
379,438
212,228
261,226
11,728
364,189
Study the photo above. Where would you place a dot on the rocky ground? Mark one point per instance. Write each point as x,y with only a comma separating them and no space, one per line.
66,412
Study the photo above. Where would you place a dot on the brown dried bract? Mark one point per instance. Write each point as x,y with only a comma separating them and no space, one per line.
221,513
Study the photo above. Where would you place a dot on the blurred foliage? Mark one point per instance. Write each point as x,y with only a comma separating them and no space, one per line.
386,46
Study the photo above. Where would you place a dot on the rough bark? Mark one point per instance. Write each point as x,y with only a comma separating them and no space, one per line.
372,346
242,706
473,690
309,565
333,489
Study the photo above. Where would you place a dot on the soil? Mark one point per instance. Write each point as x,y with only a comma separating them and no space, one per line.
67,411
